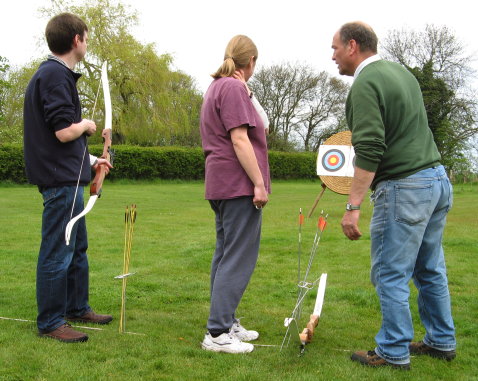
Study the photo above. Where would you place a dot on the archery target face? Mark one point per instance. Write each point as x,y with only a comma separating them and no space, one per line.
333,160
336,160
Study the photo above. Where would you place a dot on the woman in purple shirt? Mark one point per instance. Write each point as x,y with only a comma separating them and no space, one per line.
237,187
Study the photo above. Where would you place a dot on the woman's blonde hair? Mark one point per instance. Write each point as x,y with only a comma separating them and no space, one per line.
238,53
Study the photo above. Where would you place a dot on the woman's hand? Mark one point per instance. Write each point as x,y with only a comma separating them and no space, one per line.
260,196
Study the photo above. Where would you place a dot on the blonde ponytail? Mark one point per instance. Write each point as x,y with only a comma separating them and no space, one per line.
227,68
238,53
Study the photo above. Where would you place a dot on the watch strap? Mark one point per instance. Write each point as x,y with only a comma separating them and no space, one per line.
349,206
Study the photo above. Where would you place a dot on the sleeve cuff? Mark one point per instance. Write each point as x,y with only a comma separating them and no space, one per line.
93,160
365,164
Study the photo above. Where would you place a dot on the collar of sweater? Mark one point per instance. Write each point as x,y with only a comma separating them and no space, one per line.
365,62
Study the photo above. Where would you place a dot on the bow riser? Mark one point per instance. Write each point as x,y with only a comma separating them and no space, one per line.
308,332
101,171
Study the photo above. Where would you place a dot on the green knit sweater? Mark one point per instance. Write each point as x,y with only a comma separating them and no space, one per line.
389,125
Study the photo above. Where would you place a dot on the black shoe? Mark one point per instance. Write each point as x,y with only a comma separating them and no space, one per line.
370,358
421,348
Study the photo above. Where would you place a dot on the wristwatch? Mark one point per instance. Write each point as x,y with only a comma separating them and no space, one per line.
352,207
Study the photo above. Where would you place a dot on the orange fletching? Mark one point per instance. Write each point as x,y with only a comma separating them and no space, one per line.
321,223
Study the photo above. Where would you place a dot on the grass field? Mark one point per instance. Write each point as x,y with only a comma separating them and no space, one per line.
167,298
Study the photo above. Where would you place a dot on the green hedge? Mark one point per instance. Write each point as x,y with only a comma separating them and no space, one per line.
132,162
292,165
12,167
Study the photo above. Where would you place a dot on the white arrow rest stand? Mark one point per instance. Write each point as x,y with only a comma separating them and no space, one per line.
304,286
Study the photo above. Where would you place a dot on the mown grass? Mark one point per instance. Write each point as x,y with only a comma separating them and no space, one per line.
168,297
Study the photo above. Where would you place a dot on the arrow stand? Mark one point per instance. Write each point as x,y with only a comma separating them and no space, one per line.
304,286
129,220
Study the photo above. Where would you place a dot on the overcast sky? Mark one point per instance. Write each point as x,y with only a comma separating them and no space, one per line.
196,32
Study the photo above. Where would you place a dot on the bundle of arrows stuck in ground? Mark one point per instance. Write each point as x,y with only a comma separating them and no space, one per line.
129,220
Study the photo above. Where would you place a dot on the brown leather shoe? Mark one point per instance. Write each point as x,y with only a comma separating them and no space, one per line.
91,317
370,358
65,334
420,348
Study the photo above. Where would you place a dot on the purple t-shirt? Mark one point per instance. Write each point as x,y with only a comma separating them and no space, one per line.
226,105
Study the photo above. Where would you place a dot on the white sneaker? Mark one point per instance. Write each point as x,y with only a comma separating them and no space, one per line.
227,343
243,334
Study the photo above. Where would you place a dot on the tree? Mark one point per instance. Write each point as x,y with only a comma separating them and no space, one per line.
4,85
436,45
299,103
323,113
438,99
152,104
438,61
11,125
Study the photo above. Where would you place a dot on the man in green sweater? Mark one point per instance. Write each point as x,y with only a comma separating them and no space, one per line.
396,156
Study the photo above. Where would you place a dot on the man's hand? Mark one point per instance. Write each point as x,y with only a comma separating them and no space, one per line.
74,131
360,185
350,224
90,126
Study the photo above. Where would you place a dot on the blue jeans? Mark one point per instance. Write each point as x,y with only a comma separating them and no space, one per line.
406,233
62,271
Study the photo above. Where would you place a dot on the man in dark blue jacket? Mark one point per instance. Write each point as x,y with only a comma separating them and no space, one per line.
56,160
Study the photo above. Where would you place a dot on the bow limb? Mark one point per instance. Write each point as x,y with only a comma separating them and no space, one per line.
320,295
308,332
72,222
101,170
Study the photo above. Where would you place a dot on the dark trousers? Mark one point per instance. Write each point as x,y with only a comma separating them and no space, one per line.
238,233
62,271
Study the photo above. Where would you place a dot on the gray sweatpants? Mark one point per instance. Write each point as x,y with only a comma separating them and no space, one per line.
238,234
